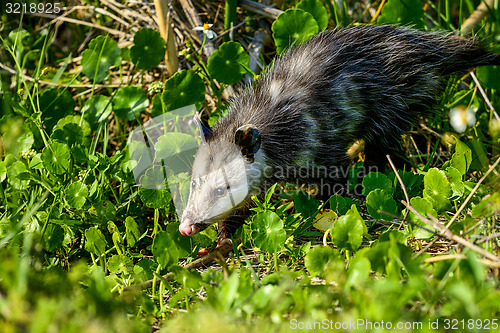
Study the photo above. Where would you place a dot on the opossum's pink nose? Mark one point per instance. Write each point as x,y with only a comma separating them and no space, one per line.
187,227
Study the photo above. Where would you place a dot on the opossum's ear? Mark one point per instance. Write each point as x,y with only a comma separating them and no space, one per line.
248,138
205,131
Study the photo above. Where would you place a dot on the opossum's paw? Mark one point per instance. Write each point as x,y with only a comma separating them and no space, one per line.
221,243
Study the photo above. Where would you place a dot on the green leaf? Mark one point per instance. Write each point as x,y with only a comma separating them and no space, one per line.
120,263
488,76
148,49
13,172
403,12
380,200
424,207
358,273
101,54
72,130
305,204
269,193
189,279
76,194
488,206
144,269
56,158
53,237
319,258
55,106
479,155
390,257
164,250
317,10
15,134
347,232
267,232
228,64
156,106
338,204
437,189
462,157
154,191
95,242
183,243
177,150
131,231
182,89
3,170
376,180
292,27
129,102
70,134
97,110
455,179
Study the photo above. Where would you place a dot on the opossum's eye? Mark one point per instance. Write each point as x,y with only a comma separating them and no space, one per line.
193,184
219,192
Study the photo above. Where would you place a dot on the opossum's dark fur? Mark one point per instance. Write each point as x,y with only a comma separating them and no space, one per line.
360,82
363,82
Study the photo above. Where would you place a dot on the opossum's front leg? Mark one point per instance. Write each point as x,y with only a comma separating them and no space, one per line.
376,160
228,226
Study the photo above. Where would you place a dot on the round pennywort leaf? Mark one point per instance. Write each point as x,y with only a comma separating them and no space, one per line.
55,106
154,191
53,237
164,249
76,195
95,242
56,158
268,232
120,263
99,57
293,26
376,180
347,232
182,89
318,259
148,49
379,201
228,63
437,189
317,10
403,12
129,102
97,110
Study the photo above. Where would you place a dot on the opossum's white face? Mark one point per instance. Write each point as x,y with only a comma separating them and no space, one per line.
223,174
222,177
218,185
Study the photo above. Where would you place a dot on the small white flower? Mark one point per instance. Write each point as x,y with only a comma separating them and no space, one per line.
461,117
206,30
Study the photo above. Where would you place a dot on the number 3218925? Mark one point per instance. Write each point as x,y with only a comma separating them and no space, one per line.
33,8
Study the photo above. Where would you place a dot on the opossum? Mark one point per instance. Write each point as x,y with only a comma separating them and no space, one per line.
360,82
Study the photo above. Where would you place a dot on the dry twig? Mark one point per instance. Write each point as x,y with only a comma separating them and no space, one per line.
431,221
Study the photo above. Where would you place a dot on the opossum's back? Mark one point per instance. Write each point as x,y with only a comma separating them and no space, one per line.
367,82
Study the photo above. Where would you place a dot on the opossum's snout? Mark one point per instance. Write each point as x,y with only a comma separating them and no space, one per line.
190,225
189,228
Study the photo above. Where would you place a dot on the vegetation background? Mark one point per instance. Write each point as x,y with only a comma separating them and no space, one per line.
84,248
